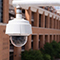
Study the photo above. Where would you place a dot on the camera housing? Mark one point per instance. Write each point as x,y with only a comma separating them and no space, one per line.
18,30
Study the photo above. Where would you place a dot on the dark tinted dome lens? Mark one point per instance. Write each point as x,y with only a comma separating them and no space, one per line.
18,40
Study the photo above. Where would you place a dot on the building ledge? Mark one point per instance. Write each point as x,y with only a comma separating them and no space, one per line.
3,24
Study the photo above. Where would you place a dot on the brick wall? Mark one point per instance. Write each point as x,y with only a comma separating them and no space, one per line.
4,39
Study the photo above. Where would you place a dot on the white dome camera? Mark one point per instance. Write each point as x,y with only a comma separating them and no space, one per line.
18,29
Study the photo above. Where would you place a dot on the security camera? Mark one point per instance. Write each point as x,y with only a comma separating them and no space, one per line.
18,29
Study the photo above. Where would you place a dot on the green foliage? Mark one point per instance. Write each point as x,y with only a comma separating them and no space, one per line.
32,55
53,49
56,47
47,57
49,49
50,52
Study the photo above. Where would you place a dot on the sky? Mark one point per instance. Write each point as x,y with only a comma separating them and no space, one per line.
57,7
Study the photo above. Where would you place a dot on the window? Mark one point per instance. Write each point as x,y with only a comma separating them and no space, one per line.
1,10
39,20
41,43
50,22
46,38
40,39
57,38
57,24
50,38
23,48
46,21
54,37
54,23
32,42
32,19
11,51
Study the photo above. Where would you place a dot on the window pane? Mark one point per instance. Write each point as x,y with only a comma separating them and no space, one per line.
1,10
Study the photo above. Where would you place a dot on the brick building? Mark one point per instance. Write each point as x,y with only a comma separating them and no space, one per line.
45,27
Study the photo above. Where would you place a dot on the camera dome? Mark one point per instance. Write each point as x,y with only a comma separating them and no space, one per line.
18,41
